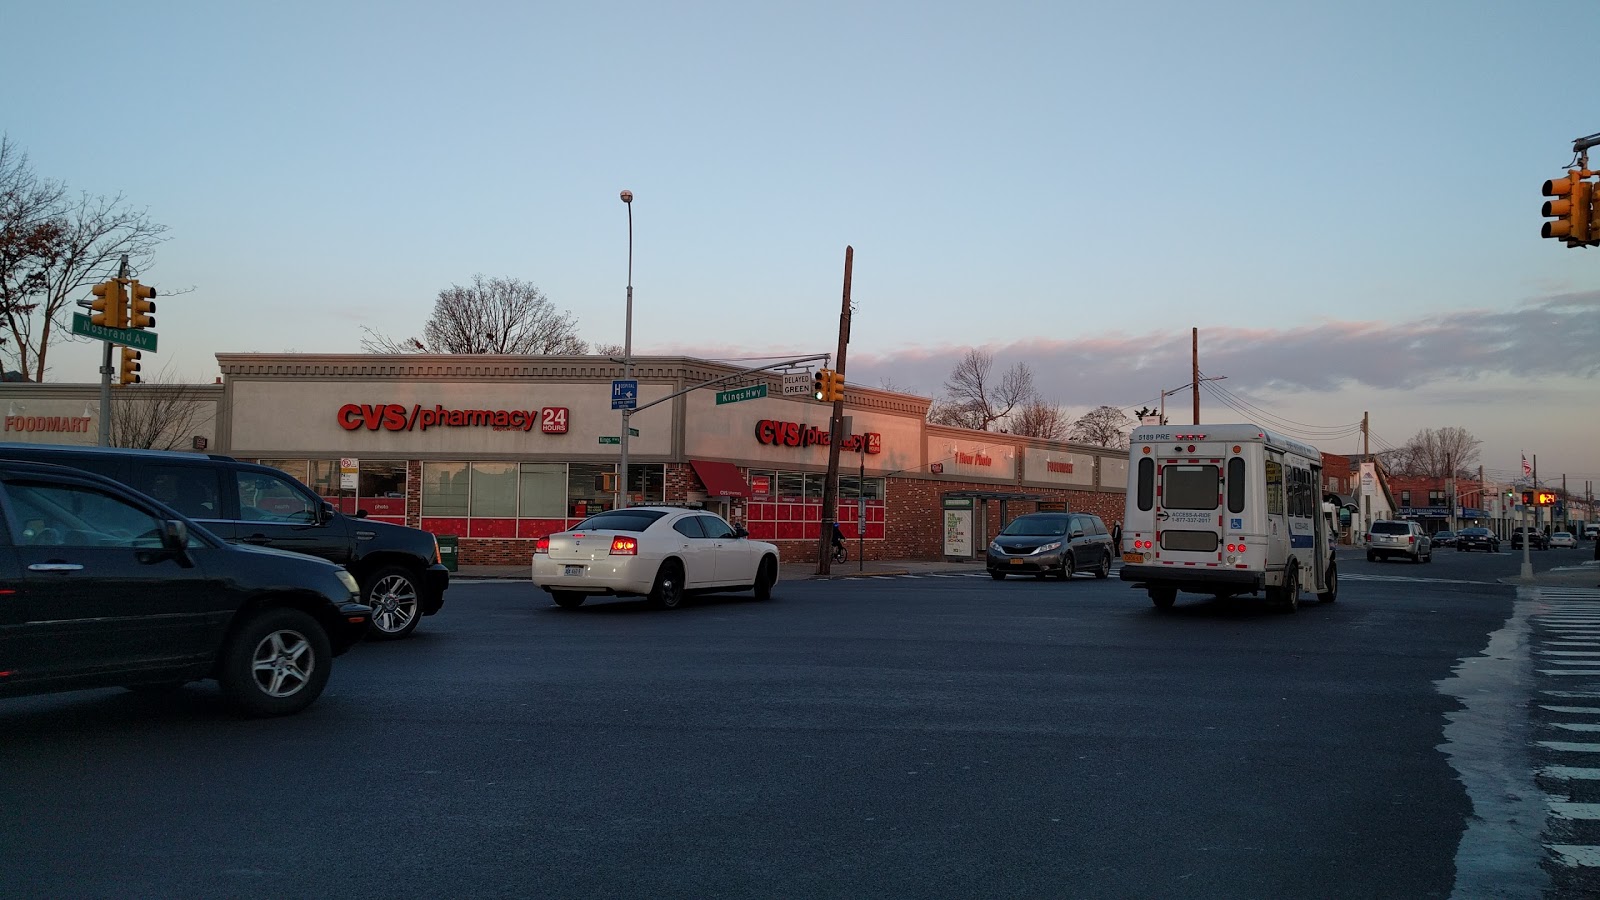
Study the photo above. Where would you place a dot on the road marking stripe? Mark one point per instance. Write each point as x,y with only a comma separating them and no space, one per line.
1584,811
1588,653
1575,695
1569,671
1572,643
1577,726
1577,773
1576,855
1570,709
1569,747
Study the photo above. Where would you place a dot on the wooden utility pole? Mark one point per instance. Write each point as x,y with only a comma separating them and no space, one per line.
830,487
1194,353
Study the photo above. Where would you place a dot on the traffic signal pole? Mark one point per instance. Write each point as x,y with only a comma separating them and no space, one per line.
106,372
830,487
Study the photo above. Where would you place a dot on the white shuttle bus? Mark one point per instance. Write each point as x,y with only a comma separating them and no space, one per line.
1226,510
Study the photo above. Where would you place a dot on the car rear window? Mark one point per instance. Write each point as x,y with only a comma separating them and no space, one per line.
1391,528
621,520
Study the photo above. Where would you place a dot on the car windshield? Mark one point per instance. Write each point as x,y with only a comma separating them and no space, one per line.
620,520
1391,528
1037,526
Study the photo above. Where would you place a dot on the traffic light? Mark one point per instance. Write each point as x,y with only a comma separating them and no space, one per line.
606,482
130,367
1527,498
140,305
1544,498
834,389
820,383
110,305
1570,210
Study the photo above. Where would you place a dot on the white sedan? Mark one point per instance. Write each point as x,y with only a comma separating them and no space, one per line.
660,552
1562,539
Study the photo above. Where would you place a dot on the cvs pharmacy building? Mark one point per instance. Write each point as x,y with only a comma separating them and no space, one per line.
502,450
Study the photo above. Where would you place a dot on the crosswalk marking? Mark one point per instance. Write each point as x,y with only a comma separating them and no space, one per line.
1585,811
1571,709
1577,726
1572,773
1407,579
1576,855
1569,671
1570,747
1573,695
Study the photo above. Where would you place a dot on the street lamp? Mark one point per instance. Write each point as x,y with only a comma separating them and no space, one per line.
627,363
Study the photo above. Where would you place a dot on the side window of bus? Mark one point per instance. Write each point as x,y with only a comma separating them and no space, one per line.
1147,483
1236,484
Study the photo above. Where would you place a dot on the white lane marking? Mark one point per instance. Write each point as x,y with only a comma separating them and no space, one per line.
1571,709
1590,654
1588,812
1573,773
1569,671
1576,855
1357,576
1574,695
1572,643
1569,747
1577,726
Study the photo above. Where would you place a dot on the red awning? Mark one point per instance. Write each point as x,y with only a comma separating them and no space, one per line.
721,479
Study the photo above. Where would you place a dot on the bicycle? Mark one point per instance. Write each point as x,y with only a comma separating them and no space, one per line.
840,554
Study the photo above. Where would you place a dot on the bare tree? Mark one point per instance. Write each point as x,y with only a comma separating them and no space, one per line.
1438,453
974,400
610,350
159,416
1104,426
51,248
494,315
1039,419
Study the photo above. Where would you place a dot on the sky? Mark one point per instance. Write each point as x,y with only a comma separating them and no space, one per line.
1342,198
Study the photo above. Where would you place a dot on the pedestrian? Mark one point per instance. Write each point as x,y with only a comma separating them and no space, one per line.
1116,537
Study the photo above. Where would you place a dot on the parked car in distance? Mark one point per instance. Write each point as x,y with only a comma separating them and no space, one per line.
1477,539
398,568
1536,539
1393,537
661,552
1591,532
1444,538
1563,539
1051,543
104,587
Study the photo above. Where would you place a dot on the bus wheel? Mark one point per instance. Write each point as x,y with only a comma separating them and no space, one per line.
1332,581
1287,596
1163,597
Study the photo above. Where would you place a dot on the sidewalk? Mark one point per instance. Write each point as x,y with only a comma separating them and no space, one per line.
790,571
1584,574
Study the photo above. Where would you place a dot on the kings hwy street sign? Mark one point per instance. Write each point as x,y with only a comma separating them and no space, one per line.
745,393
136,338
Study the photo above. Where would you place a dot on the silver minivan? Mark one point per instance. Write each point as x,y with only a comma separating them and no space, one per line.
1388,537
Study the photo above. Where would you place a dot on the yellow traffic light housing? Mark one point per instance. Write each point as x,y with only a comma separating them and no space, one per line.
110,306
820,382
835,386
130,367
141,306
1570,210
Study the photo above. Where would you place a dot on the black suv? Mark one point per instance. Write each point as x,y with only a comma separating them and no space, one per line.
1537,539
1477,539
103,587
1051,543
397,567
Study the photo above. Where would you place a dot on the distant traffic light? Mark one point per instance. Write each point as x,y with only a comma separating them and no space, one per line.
1527,498
140,305
130,367
110,305
820,384
1570,209
834,389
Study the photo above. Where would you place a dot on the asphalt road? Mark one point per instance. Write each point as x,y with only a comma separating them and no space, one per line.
943,736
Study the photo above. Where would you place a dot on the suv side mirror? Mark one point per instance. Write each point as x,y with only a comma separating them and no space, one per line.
175,535
326,513
361,514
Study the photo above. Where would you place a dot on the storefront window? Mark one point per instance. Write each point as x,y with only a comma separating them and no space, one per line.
381,487
493,490
543,490
324,479
762,483
649,483
791,487
295,467
584,494
444,489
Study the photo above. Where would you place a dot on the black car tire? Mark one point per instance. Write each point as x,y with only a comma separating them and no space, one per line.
276,663
667,592
568,599
1068,568
396,602
1332,581
997,575
1104,570
1163,597
1287,596
766,577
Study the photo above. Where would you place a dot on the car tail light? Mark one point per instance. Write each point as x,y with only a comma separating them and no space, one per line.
624,546
1411,539
542,545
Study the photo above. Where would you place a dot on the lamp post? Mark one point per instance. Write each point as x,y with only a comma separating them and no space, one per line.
627,363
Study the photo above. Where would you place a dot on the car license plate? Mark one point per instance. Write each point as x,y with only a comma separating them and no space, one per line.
1016,562
573,570
1133,557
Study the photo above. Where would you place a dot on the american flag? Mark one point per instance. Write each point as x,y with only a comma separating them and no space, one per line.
1526,469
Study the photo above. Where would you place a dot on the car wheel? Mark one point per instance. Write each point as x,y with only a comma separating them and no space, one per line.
1104,571
766,577
396,607
1163,597
1069,568
1287,596
667,592
1331,593
568,599
997,575
276,663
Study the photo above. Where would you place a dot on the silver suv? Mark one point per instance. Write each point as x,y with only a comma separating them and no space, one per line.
1388,537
